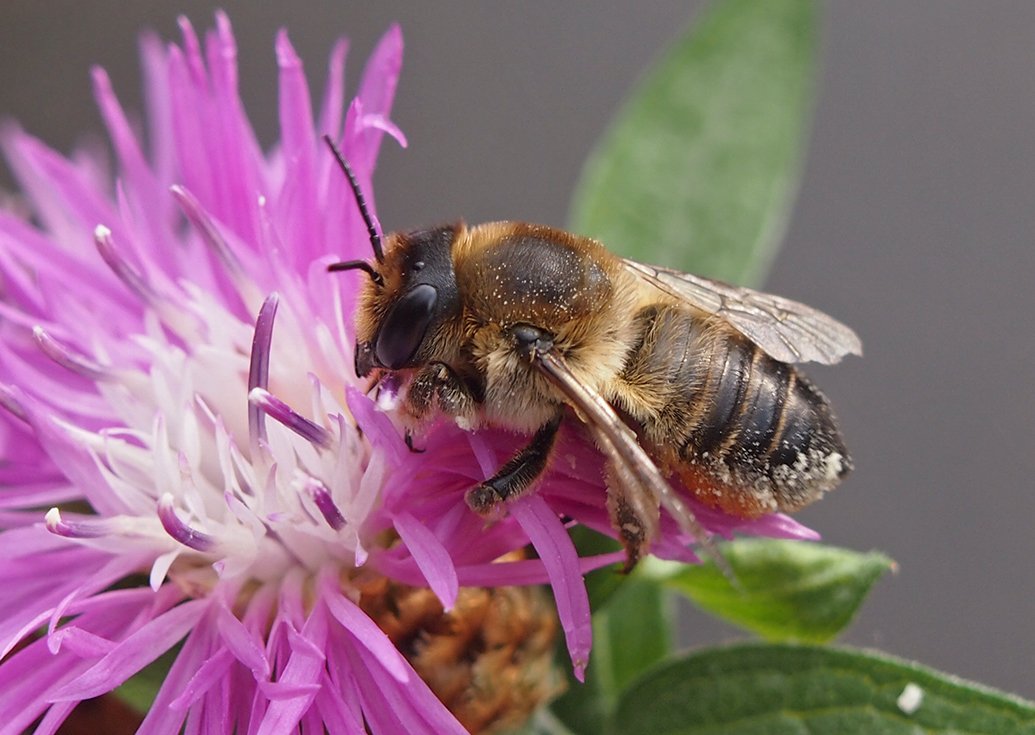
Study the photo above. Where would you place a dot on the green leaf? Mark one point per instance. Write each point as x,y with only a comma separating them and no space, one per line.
698,169
761,689
788,590
631,633
543,722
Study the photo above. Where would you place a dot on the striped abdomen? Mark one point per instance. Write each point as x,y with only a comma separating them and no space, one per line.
746,433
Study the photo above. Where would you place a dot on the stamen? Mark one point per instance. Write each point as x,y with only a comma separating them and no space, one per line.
259,371
282,412
64,357
322,497
388,389
74,529
121,268
202,222
179,530
9,401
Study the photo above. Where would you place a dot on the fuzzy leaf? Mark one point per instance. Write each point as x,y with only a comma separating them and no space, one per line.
699,168
788,590
784,689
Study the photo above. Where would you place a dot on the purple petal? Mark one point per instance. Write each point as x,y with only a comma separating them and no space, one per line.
297,201
39,586
492,574
363,629
557,552
208,675
146,198
162,719
32,252
54,718
380,122
158,102
377,92
388,701
248,642
134,653
376,426
334,94
431,557
56,187
483,453
202,221
28,675
333,705
235,150
303,671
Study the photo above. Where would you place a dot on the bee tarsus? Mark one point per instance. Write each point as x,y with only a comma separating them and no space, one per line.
408,438
518,474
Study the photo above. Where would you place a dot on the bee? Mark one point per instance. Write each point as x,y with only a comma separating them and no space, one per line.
519,325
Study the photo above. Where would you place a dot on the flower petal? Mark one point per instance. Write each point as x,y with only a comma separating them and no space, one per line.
557,552
431,557
364,630
134,652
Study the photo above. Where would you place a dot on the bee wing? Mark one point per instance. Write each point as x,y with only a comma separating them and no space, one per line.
787,330
642,481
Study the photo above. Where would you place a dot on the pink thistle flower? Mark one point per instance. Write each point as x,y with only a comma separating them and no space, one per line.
176,369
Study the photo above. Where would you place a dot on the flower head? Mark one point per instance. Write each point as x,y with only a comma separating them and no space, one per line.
176,369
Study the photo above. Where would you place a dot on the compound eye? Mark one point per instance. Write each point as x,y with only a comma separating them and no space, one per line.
404,327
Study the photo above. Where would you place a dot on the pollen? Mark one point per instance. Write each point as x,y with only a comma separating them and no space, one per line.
489,660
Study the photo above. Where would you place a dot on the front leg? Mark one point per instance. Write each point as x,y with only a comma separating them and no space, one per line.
437,386
517,475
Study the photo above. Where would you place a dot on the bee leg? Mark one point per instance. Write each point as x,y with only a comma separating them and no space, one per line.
514,477
633,512
408,438
437,385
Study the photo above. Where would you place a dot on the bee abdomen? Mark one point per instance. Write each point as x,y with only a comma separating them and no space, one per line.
764,434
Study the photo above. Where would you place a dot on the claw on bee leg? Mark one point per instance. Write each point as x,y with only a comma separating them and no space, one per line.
517,475
408,438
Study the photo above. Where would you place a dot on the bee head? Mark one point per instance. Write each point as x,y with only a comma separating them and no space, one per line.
396,319
411,289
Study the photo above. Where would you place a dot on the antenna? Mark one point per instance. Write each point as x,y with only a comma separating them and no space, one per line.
375,238
362,265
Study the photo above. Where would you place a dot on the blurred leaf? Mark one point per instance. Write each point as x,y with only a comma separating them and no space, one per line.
699,168
543,722
762,689
788,590
631,633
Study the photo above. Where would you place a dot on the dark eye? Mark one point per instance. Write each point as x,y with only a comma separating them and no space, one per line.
404,327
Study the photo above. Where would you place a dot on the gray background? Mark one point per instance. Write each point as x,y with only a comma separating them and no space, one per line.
914,225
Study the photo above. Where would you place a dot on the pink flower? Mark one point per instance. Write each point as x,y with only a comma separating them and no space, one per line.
176,365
